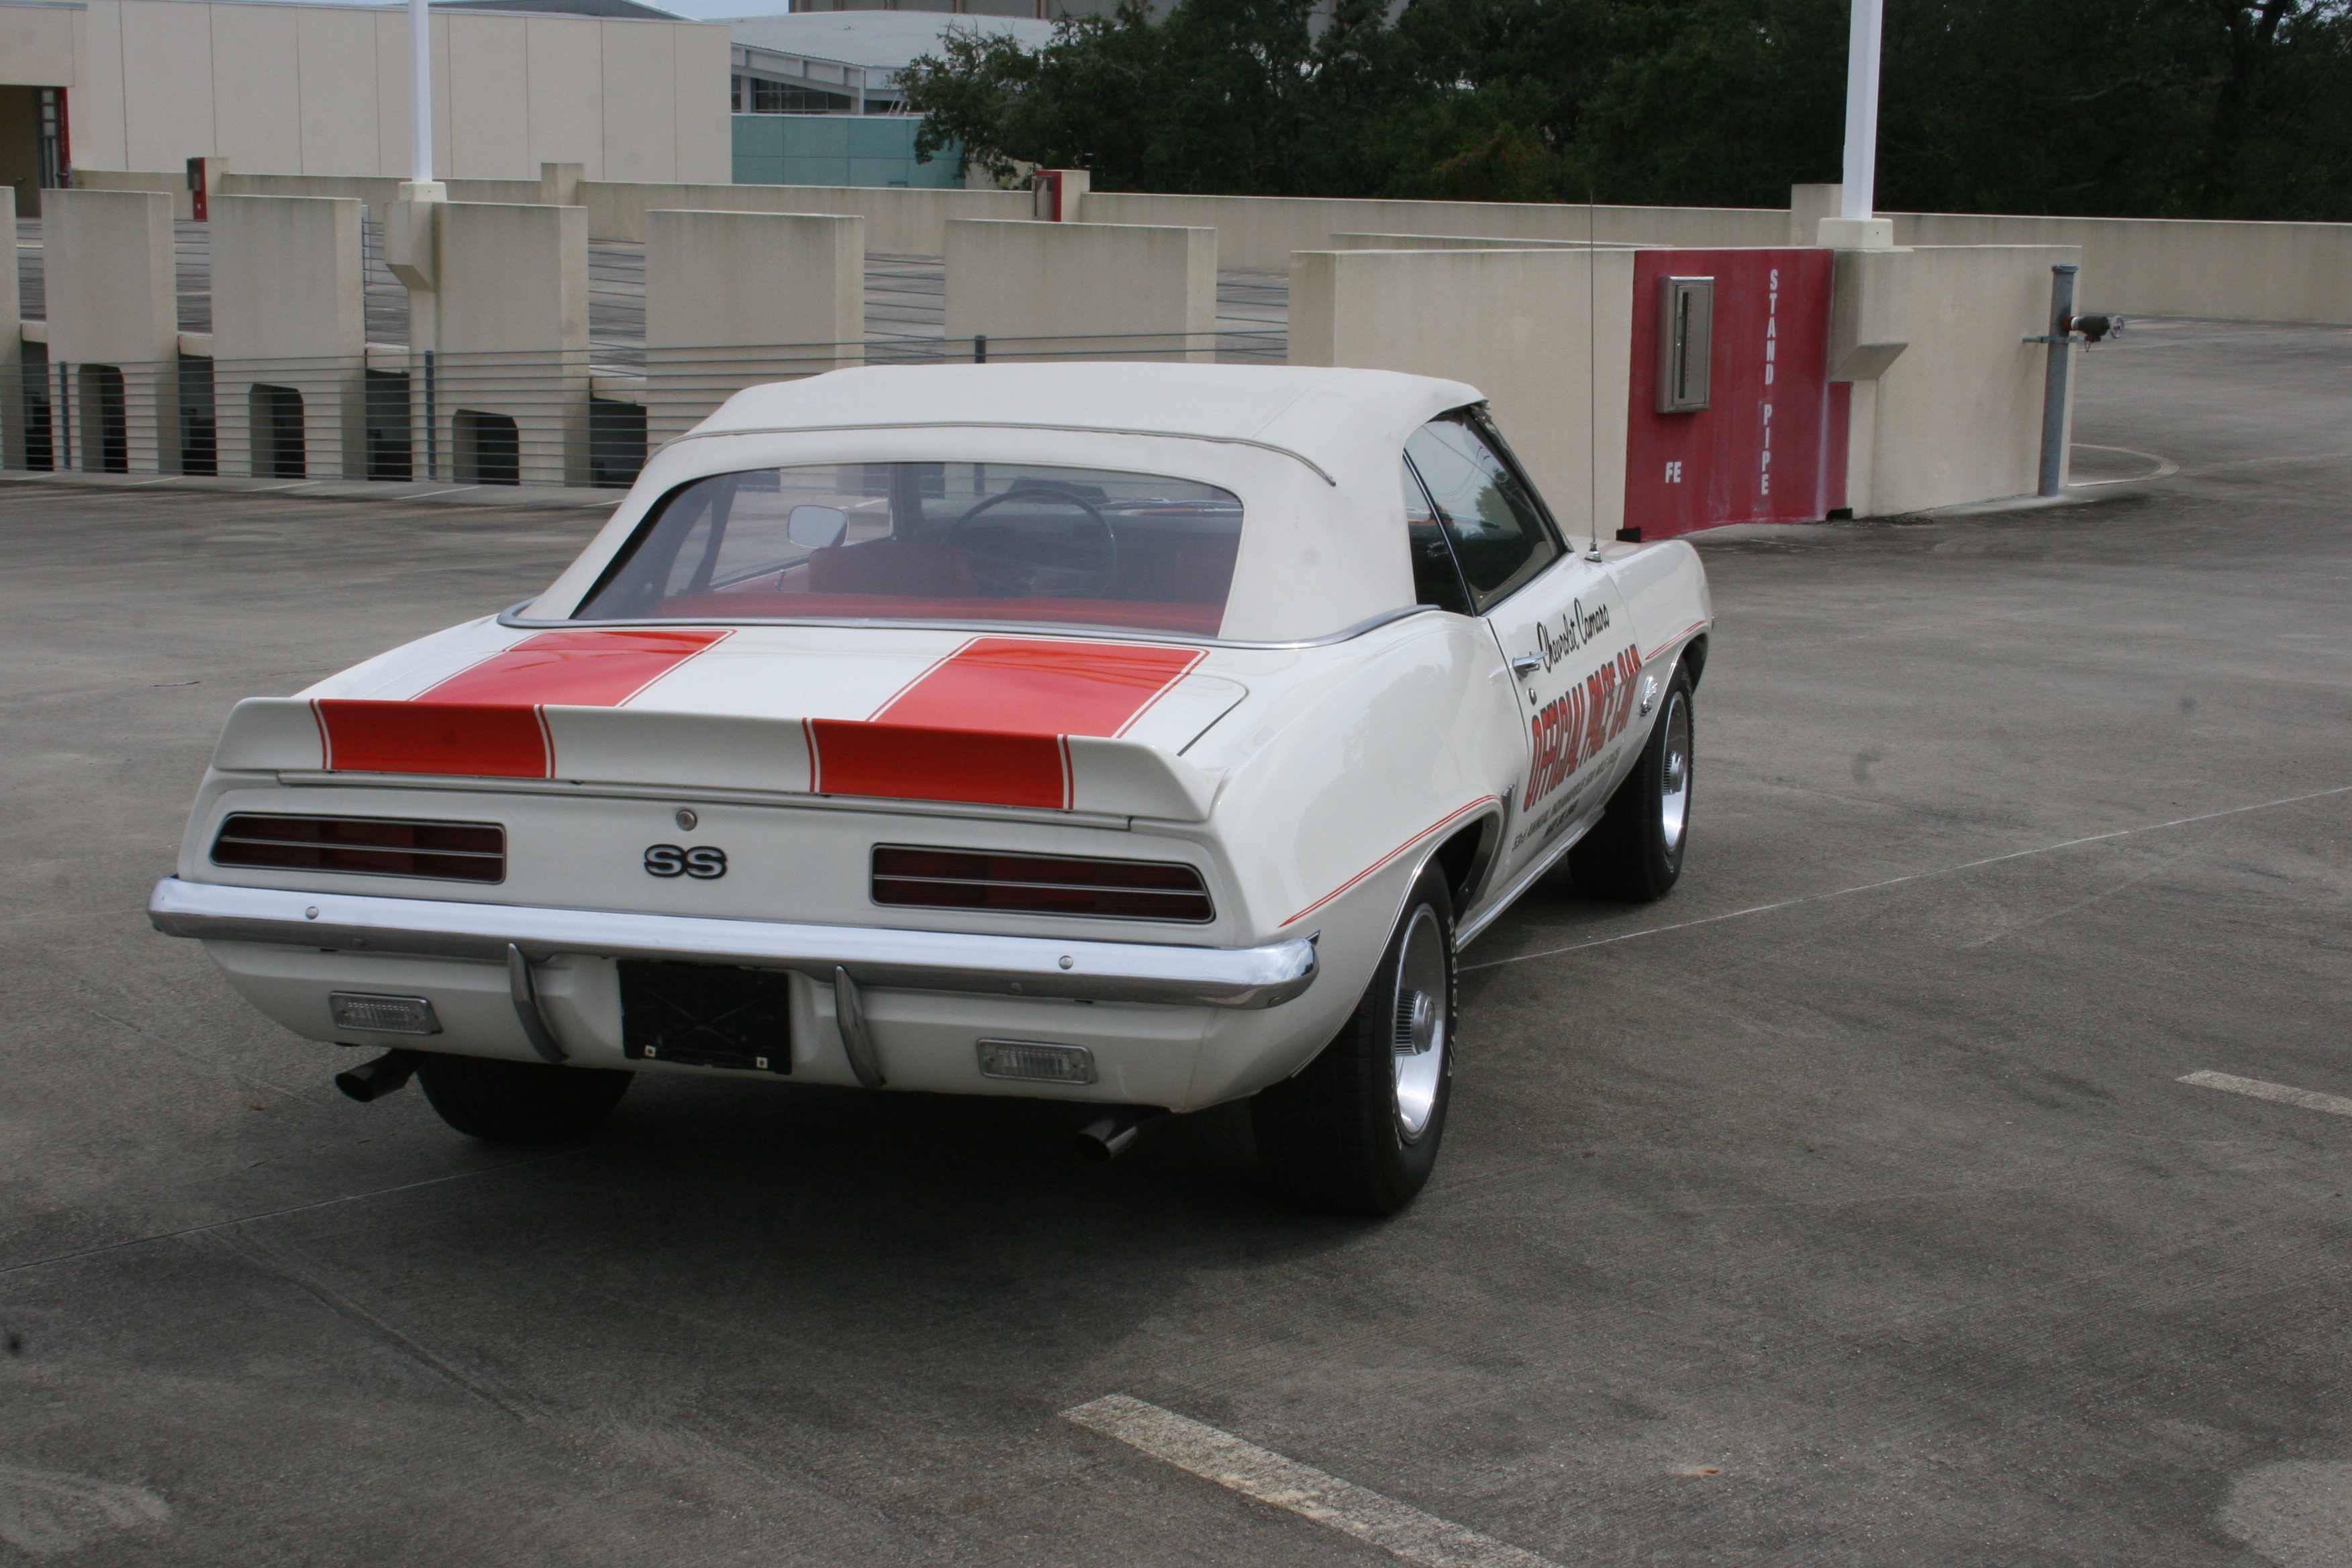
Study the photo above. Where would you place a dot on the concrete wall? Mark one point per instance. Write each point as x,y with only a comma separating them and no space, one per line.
377,191
512,325
12,344
1957,416
38,44
725,289
1260,232
2177,266
322,89
2151,266
286,315
172,183
1493,319
113,309
1088,288
898,222
1445,242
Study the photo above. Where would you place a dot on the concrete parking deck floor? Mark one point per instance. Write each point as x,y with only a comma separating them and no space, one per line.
1844,1208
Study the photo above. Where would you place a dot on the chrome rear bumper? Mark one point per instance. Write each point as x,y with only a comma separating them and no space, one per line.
907,960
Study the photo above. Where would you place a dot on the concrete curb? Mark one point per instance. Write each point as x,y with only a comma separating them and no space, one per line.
443,493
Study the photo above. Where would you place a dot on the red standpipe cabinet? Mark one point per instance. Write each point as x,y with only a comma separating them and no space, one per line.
1770,445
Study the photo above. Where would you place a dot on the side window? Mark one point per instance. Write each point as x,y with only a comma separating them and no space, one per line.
1436,579
1496,526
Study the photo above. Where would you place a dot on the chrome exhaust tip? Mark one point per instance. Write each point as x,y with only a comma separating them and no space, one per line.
372,1080
1105,1138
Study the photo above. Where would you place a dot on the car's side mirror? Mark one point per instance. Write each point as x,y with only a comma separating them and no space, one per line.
816,527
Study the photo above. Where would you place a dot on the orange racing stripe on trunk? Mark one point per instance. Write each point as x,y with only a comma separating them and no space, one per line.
986,725
485,721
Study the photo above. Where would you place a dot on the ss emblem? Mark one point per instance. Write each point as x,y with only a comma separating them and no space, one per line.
703,860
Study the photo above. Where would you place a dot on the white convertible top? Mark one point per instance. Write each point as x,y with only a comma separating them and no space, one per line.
1325,415
1312,452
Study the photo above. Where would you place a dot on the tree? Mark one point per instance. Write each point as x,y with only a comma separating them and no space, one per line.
2221,108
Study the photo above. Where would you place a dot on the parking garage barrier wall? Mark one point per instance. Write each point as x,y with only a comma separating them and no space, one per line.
113,318
12,342
288,332
899,222
1081,282
715,280
1541,332
576,418
1955,417
2177,266
1259,233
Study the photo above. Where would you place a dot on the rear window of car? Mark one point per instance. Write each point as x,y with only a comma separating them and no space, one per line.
932,542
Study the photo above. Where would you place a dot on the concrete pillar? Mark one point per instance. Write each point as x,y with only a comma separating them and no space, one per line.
1808,205
287,317
114,319
559,184
1059,195
12,341
734,299
1870,326
1082,290
512,341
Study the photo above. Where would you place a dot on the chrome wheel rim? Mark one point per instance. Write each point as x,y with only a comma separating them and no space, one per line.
1418,1016
1674,774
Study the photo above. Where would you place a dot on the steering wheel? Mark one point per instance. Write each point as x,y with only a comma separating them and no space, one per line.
1019,577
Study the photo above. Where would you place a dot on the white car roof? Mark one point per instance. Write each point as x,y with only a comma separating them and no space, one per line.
1312,453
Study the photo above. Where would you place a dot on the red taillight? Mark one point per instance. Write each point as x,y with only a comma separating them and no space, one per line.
1039,884
365,845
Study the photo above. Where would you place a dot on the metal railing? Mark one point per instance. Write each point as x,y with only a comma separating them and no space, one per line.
564,418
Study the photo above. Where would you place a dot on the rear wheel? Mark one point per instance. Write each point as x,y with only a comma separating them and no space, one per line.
1357,1130
519,1102
1635,851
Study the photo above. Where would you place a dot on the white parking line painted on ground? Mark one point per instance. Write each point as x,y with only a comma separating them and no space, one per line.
2308,1098
1260,1473
2165,466
1913,876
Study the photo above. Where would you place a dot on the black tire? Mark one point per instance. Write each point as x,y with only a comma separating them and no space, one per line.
519,1102
1340,1135
1634,853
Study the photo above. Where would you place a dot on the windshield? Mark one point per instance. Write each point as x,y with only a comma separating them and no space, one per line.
928,541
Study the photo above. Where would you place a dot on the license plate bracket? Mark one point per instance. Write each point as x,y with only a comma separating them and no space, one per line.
707,1015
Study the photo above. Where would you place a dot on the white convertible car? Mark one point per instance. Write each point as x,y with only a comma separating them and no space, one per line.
1145,735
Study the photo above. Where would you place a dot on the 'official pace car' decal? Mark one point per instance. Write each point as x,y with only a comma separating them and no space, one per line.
988,724
1572,729
485,720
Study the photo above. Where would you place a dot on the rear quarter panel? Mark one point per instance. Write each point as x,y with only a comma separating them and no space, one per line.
1340,778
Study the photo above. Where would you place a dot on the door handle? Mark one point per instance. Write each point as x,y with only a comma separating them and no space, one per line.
1527,666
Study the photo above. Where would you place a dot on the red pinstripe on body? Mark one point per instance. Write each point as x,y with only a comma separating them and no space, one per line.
1447,820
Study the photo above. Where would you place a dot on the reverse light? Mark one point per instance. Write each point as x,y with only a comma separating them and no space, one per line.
382,1015
1036,1062
365,845
911,876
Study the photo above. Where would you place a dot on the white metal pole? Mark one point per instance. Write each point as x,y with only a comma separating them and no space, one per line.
420,91
1860,194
